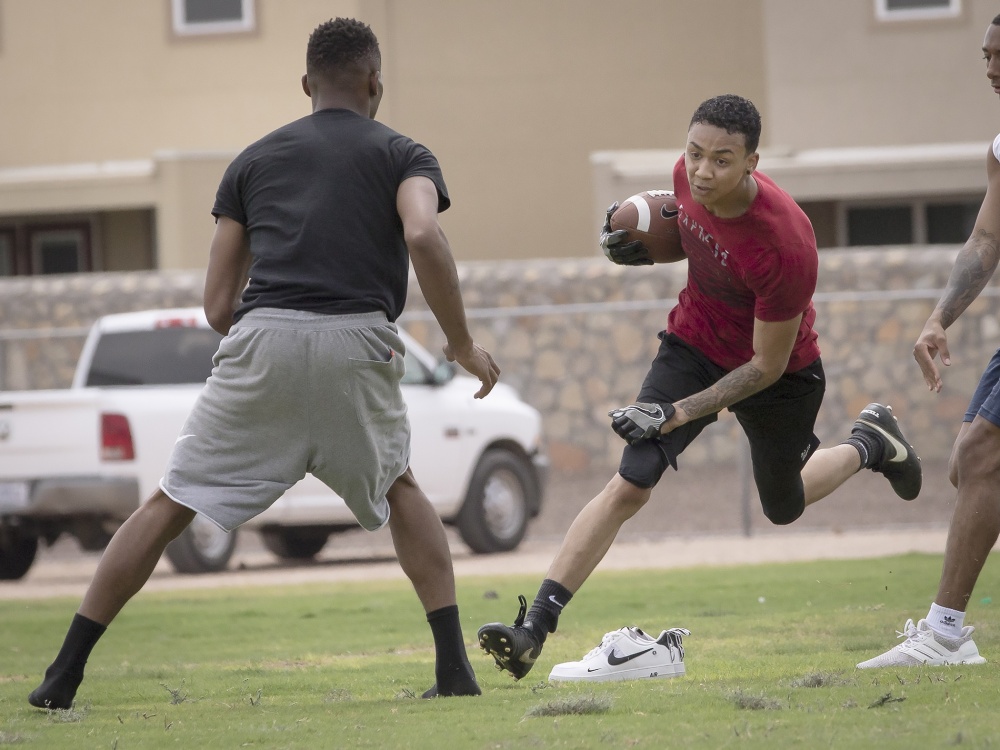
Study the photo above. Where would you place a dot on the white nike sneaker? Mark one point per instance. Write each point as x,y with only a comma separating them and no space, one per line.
925,647
627,654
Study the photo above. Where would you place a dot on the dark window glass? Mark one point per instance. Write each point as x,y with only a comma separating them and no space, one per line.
880,225
950,223
59,256
916,4
6,256
166,356
208,11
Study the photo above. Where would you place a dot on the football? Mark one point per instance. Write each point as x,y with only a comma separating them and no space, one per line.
651,217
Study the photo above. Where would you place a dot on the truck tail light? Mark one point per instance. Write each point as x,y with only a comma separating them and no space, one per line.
116,438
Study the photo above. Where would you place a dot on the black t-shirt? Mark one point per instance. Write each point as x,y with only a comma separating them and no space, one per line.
318,199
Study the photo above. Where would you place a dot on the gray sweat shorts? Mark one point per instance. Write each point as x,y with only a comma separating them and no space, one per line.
295,392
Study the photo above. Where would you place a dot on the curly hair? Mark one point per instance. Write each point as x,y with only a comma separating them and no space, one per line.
732,113
340,43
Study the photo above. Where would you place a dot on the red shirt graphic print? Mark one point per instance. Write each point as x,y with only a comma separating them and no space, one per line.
762,264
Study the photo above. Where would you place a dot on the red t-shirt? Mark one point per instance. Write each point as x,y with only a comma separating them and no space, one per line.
762,264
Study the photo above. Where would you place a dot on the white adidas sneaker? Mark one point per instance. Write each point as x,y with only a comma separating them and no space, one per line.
925,647
627,654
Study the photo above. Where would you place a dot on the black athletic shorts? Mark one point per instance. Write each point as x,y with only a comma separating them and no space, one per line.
778,422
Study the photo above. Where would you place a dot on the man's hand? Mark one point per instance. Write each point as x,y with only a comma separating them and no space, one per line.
478,362
617,250
640,421
932,341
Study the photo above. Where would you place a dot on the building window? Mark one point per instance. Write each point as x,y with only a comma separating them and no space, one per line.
916,222
915,10
880,225
213,16
950,223
8,266
59,250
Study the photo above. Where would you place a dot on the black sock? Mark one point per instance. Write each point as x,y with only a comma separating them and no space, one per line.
548,605
65,674
868,446
452,670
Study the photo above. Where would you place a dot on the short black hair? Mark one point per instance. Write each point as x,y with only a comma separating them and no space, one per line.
341,43
732,113
996,21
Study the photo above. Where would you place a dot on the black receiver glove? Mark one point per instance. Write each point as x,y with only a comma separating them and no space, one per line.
640,421
617,250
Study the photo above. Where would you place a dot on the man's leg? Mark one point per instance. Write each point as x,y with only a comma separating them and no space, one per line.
942,638
422,550
516,648
975,523
876,442
827,469
593,530
124,568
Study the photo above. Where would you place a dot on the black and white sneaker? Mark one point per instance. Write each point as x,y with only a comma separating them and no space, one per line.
516,647
900,463
627,654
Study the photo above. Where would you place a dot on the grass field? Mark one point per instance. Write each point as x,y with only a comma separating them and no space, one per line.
770,664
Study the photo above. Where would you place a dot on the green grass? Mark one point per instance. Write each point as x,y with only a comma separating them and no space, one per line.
770,664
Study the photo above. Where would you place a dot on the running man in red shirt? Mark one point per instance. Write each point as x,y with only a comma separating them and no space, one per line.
740,337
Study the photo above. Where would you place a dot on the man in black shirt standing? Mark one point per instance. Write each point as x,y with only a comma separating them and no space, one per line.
316,223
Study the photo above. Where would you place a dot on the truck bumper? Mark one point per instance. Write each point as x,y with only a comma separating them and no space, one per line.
110,497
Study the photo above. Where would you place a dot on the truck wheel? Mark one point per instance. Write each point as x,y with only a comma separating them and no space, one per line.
17,553
201,548
494,516
294,544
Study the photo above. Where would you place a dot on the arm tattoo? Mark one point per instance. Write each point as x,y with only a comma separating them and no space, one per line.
973,268
735,386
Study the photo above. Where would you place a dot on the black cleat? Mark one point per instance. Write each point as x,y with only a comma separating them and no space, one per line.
900,463
515,648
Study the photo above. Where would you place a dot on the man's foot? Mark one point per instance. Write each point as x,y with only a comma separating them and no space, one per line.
57,690
453,692
515,648
925,647
627,654
900,463
455,682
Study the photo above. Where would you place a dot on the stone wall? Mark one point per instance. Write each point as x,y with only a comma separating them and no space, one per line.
575,337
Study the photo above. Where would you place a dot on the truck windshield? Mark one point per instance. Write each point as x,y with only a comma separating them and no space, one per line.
163,356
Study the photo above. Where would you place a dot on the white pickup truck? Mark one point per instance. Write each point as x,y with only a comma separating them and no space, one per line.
79,461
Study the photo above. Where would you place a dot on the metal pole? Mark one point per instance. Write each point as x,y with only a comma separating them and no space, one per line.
746,486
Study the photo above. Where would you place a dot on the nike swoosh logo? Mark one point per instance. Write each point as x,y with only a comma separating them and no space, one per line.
899,447
555,601
647,412
595,669
668,214
616,660
184,437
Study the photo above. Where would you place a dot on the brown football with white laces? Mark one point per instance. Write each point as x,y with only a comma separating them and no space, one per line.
651,217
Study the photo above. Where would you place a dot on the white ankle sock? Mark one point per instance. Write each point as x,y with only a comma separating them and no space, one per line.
947,622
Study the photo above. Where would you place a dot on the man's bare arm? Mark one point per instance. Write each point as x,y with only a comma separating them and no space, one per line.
974,267
773,343
434,265
228,265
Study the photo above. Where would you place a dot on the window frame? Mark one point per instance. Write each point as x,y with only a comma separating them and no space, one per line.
883,13
918,213
182,27
38,233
